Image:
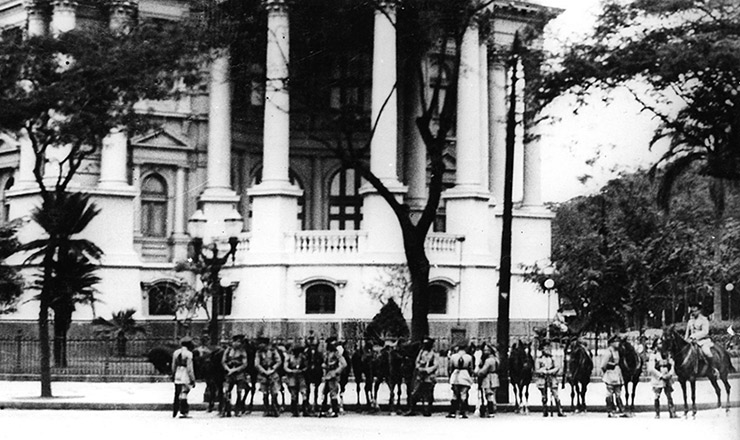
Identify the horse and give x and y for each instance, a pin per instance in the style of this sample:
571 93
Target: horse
577 370
521 366
691 363
630 362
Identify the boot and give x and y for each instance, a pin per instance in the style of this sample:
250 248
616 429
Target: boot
482 412
620 407
334 408
491 410
463 409
671 408
294 406
656 404
545 412
610 405
558 408
304 408
453 409
227 407
184 409
176 404
428 409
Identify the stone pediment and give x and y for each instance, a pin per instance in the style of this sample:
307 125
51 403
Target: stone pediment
161 138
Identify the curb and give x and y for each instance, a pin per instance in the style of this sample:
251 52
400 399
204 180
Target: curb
51 404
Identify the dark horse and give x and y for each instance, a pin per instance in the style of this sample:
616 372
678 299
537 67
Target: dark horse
690 363
630 362
577 370
521 365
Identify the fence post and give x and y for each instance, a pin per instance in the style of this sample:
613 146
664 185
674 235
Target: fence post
18 350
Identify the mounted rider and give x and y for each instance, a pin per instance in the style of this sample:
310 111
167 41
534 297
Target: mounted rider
697 331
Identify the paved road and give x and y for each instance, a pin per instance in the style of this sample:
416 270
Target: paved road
83 425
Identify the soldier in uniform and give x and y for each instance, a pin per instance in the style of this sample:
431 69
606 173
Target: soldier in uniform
546 372
425 376
487 373
294 367
267 362
461 368
184 377
660 368
334 364
613 378
697 331
235 363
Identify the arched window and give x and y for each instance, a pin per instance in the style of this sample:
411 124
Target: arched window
154 206
162 298
345 203
320 299
5 202
437 299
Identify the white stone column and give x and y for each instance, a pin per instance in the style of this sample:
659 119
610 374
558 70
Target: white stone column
114 159
64 16
219 201
136 180
180 194
468 202
484 129
219 126
384 232
468 112
275 200
416 159
532 196
384 110
37 25
497 126
277 99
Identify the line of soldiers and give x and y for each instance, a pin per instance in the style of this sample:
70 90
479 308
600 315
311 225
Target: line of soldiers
273 363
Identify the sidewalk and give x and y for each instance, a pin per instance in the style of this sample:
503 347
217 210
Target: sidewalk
158 396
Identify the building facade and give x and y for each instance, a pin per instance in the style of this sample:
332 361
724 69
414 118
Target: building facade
315 237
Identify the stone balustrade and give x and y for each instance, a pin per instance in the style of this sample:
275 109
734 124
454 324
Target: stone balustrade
443 243
328 242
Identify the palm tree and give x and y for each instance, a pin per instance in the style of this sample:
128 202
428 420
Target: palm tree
120 326
11 283
66 263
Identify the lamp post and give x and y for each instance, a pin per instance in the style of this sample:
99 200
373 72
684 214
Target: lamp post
213 262
548 285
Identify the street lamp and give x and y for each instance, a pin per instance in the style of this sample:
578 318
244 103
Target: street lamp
548 285
212 264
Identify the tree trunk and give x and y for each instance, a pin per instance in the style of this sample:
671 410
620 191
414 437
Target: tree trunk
61 326
419 273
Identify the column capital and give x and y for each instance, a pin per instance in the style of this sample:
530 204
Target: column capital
276 6
35 6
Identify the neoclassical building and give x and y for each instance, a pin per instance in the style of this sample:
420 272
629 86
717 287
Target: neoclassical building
313 237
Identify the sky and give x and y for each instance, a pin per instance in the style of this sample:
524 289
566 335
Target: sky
600 141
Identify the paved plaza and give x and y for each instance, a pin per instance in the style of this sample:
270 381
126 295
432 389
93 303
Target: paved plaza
83 425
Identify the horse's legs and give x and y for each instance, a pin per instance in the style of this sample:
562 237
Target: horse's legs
727 391
717 391
626 397
573 394
693 397
685 402
584 387
634 391
526 397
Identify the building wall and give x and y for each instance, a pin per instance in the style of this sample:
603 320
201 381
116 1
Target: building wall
270 287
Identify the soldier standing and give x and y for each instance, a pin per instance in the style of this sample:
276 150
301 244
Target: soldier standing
425 369
461 366
613 378
546 371
333 366
183 376
661 371
235 363
295 366
267 363
487 373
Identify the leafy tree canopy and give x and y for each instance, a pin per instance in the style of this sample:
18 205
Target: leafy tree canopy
681 61
11 283
387 323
